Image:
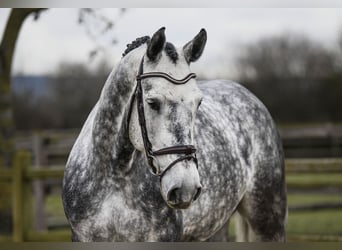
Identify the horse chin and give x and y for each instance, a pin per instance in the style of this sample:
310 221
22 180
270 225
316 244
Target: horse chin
184 205
177 204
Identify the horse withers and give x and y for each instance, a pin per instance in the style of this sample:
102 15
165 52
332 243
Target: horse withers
164 158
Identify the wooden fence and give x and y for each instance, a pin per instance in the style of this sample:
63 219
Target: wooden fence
51 150
21 176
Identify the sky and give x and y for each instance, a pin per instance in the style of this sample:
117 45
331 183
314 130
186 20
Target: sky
57 37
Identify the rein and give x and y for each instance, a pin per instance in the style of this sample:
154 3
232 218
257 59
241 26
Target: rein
188 151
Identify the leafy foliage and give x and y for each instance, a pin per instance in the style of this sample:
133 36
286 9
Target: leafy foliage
72 92
298 79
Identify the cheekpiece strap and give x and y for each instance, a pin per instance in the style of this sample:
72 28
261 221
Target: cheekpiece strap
189 151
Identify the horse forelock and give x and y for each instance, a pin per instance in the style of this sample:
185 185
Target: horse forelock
171 52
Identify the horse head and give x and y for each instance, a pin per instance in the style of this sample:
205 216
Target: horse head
162 116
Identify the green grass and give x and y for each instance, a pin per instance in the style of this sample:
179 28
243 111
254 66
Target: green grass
54 205
306 199
320 222
323 223
314 180
326 222
309 223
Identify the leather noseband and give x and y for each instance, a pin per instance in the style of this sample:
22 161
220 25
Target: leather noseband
188 151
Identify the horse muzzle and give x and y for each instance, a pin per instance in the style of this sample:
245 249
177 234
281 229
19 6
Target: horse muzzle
179 199
180 186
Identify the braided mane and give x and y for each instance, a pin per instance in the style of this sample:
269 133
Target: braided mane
169 47
136 43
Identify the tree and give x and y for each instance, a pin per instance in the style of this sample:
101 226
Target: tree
286 56
289 74
7 48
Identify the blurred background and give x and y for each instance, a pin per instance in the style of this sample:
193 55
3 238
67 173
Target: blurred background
54 62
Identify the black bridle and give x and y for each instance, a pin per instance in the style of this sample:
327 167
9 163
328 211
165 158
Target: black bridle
188 151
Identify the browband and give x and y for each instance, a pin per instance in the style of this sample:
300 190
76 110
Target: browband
167 77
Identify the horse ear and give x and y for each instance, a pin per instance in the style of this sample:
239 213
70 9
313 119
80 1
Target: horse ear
193 49
156 44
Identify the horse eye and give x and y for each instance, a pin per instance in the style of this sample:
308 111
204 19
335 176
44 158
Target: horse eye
153 103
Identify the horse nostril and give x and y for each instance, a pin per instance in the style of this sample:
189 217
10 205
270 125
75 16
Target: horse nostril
199 190
172 196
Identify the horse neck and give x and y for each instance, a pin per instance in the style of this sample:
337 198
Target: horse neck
112 146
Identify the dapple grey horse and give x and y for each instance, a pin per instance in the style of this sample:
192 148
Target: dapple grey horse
152 164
